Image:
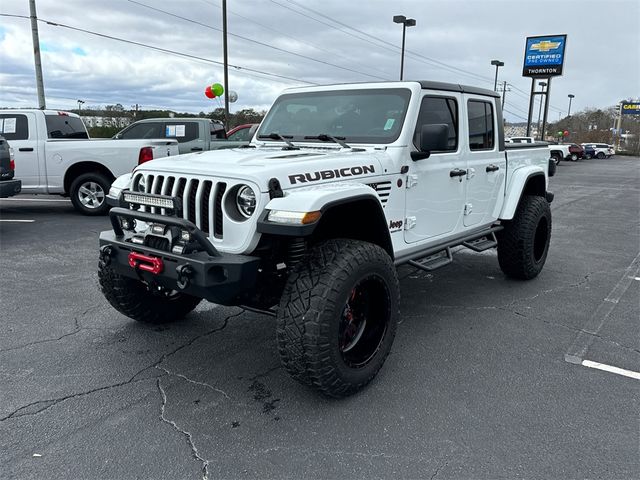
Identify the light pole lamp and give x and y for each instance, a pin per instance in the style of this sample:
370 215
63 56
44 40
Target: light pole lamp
406 22
571 97
498 64
80 102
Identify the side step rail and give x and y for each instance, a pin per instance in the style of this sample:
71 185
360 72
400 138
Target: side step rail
483 243
433 262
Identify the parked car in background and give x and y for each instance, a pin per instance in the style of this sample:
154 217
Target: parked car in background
598 150
8 185
520 140
54 155
243 133
192 134
566 151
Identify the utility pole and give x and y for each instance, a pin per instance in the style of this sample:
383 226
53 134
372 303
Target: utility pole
226 64
36 54
505 89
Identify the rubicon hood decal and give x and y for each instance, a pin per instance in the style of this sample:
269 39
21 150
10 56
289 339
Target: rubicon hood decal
329 174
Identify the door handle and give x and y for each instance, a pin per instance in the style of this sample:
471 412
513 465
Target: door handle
457 172
26 149
492 168
196 149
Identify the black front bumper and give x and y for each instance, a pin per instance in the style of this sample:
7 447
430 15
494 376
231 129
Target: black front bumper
221 278
9 188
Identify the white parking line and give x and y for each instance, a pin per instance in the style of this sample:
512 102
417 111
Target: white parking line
35 200
611 369
16 221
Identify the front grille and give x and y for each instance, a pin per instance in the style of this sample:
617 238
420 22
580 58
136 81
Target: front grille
383 189
201 200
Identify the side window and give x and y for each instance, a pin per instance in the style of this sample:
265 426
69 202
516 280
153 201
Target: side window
181 131
14 127
143 130
242 135
439 110
480 125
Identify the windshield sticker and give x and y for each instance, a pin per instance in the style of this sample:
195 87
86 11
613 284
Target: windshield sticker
389 124
170 131
9 125
330 174
179 130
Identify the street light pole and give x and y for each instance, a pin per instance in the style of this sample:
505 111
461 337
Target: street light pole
226 64
406 22
571 97
498 64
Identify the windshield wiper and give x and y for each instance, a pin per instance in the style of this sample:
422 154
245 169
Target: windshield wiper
277 136
323 137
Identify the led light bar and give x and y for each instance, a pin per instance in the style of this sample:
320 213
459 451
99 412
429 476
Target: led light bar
150 200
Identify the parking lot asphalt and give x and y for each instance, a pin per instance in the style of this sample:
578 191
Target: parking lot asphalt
485 379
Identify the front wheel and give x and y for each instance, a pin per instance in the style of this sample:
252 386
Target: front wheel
141 302
600 155
574 157
88 193
556 158
338 316
523 245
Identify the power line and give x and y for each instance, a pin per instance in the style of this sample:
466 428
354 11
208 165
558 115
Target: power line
257 42
241 69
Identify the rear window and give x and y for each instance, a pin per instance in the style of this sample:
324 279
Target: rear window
14 127
65 126
480 125
142 131
181 131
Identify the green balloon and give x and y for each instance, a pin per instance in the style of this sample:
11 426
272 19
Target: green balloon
559 134
217 89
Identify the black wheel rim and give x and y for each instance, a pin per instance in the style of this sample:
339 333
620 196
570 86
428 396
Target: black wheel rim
540 239
364 321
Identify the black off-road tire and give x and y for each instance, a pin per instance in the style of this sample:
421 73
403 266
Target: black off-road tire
523 245
134 299
315 313
600 155
556 158
100 183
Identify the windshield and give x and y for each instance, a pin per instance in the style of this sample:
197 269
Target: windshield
360 116
65 126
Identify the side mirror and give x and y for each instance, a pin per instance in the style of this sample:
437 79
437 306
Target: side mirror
434 136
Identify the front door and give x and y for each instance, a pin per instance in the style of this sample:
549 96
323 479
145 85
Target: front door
435 192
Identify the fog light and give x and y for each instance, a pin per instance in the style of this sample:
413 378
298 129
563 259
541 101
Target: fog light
128 223
137 239
178 248
185 236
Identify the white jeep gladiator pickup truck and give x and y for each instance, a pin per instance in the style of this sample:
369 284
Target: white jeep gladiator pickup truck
341 185
53 155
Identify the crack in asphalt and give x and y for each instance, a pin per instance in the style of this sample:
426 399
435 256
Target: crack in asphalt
188 435
265 373
435 474
195 382
77 329
55 401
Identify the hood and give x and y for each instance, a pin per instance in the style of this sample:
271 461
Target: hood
304 167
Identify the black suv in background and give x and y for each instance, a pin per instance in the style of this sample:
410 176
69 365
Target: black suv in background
8 186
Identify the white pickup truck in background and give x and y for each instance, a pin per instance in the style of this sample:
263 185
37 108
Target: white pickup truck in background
54 155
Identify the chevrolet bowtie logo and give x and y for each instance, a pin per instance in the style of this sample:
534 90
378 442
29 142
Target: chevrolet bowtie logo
545 46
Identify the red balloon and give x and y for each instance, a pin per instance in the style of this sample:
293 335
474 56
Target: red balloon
208 93
566 133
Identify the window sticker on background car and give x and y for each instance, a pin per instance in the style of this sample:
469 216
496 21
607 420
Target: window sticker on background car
9 125
170 131
180 129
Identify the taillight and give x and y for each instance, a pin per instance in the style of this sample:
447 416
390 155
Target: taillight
146 154
12 162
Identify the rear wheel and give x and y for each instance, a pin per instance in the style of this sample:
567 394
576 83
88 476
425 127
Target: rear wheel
556 158
338 316
600 155
524 243
574 157
88 193
141 302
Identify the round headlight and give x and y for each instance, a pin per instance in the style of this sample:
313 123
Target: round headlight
246 201
141 184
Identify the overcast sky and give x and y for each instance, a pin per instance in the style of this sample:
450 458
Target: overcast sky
333 41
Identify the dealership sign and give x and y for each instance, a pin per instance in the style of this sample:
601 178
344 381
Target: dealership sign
544 56
629 108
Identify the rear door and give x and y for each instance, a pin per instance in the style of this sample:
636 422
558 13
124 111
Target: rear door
19 129
434 198
486 165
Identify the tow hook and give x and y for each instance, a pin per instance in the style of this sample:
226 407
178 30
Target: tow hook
146 263
184 276
106 252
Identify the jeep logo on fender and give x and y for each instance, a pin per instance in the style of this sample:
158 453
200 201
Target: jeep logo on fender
395 225
329 174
